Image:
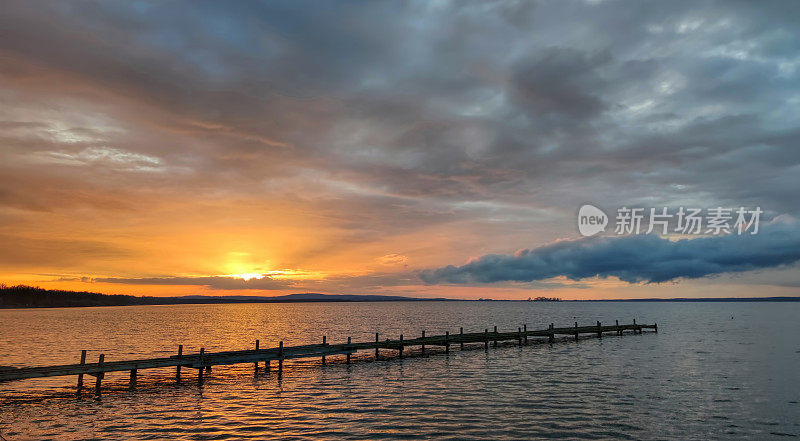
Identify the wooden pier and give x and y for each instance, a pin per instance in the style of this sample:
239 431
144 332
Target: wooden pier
203 361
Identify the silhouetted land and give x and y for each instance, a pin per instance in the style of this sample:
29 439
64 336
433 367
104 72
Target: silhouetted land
22 296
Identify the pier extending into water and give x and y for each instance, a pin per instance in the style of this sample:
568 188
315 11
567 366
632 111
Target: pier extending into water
203 361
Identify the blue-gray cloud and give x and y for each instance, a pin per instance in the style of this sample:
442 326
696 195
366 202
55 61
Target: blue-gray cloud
633 259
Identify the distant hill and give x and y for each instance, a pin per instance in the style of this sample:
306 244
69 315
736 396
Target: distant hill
311 297
22 296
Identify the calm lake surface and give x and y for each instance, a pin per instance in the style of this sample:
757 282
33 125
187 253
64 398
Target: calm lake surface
714 371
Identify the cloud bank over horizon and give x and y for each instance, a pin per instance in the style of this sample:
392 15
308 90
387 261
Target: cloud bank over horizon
645 258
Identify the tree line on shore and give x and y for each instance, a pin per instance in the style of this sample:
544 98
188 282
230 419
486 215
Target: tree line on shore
23 296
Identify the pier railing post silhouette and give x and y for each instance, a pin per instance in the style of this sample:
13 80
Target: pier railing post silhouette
255 363
99 375
178 366
401 346
80 376
280 358
324 342
200 365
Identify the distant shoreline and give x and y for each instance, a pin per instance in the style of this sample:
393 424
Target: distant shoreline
26 297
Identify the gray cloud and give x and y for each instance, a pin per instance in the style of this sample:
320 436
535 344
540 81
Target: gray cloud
560 83
374 282
633 259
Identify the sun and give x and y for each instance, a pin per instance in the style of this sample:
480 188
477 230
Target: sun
247 276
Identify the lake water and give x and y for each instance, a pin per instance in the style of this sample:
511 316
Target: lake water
714 371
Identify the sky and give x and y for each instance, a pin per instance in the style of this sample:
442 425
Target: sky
421 148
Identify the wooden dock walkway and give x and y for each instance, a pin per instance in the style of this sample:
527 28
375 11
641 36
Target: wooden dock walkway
203 361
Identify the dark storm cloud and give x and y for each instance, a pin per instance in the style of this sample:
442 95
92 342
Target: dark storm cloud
633 259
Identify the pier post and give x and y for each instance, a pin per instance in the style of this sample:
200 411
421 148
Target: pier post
200 368
400 354
256 362
655 327
423 343
376 346
461 332
99 377
619 331
280 358
486 339
552 336
576 331
525 330
178 367
495 336
80 376
446 342
634 327
519 336
349 339
324 342
132 380
599 330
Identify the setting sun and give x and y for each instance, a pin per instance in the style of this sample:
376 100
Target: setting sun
247 276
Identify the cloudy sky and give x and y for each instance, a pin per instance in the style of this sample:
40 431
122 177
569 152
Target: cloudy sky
417 148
